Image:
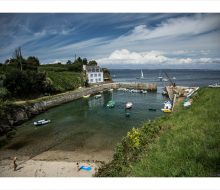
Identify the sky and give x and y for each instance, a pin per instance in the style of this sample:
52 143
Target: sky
126 40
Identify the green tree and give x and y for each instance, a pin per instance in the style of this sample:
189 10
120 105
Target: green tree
68 62
85 61
31 60
93 63
26 83
79 60
18 57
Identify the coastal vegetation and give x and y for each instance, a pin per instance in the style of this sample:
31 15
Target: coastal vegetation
24 79
185 143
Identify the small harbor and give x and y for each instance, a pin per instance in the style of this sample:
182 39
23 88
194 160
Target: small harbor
84 129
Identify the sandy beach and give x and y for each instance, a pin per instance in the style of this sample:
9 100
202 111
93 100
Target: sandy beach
33 168
53 164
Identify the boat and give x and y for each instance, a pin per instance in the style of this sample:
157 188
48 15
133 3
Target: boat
127 114
98 96
216 85
160 78
143 91
128 105
110 90
111 104
164 93
86 96
187 104
142 75
41 122
164 79
152 109
174 78
167 107
166 110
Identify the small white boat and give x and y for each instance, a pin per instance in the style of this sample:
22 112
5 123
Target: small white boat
110 90
98 96
214 85
128 105
41 122
164 80
86 96
174 78
187 104
164 92
143 91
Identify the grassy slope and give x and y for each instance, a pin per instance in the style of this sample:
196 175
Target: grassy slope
185 143
63 81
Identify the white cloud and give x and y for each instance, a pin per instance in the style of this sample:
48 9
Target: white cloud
125 56
190 25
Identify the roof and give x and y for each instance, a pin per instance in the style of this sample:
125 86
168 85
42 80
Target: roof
93 68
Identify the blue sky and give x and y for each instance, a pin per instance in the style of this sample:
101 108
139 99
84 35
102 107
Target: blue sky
115 40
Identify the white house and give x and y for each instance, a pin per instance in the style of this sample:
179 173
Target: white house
94 74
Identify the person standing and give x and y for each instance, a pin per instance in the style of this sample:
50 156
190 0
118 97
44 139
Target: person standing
15 164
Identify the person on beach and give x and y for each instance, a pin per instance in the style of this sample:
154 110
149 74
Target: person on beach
15 164
78 166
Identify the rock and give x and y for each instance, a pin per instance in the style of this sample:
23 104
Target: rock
17 117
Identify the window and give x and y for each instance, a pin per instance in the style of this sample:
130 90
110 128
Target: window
91 75
95 75
99 74
91 80
99 79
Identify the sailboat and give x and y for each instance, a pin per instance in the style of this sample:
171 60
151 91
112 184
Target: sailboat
142 75
160 77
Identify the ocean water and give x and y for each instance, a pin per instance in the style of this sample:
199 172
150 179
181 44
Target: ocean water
199 78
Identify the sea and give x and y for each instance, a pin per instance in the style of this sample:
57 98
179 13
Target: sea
183 77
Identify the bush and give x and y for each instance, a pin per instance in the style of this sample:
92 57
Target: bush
26 83
4 93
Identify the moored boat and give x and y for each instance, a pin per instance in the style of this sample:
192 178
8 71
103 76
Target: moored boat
152 109
166 110
98 96
216 85
41 122
128 105
127 114
167 107
111 104
86 96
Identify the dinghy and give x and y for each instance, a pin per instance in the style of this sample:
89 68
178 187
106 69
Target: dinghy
128 105
41 122
86 96
98 96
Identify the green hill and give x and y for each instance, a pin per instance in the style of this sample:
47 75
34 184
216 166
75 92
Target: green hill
184 143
